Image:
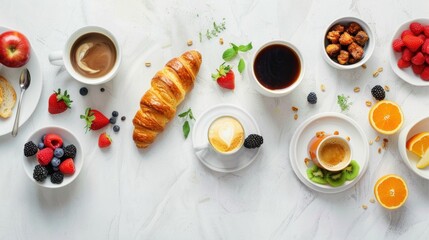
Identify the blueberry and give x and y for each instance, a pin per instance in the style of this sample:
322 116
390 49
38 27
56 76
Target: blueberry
40 145
55 162
123 118
116 128
112 120
58 152
115 114
83 91
102 89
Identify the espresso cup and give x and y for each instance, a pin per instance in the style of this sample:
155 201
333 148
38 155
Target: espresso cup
225 135
333 153
277 68
91 55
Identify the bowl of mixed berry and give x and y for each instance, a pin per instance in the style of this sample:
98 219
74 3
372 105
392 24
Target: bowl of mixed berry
53 157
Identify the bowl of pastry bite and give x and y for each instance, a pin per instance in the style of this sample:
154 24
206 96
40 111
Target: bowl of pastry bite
348 43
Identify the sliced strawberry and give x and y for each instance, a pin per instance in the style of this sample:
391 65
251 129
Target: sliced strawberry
412 42
94 119
104 140
53 141
58 102
397 45
425 46
426 31
225 77
67 166
418 69
407 55
405 33
45 156
416 28
425 74
418 59
403 64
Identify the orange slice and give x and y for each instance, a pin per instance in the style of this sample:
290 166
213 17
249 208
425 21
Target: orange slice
391 191
418 143
386 117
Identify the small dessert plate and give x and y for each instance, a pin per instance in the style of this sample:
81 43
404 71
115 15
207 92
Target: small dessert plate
216 161
410 159
328 122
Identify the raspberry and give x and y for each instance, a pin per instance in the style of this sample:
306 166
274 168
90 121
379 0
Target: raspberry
253 141
416 28
425 74
397 45
30 149
45 156
403 64
405 33
418 59
407 55
53 141
412 42
417 69
426 31
425 46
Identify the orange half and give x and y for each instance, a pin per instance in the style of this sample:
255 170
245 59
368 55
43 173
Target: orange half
386 117
418 143
391 191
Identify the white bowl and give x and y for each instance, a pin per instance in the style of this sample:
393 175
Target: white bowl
406 74
368 49
410 159
68 138
278 92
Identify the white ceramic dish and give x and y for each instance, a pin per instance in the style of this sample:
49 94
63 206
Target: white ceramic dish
328 122
368 49
406 74
68 138
32 95
213 160
410 159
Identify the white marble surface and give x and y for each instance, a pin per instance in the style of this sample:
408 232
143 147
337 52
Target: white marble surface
165 192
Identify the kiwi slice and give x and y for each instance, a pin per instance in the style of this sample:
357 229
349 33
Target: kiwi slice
317 175
352 170
335 179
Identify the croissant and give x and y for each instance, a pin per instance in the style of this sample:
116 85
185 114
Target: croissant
168 89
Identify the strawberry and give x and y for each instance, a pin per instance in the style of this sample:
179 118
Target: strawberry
67 166
427 59
405 33
94 119
416 28
104 140
425 74
403 64
58 102
407 55
397 45
224 77
425 46
426 31
53 141
412 42
422 37
418 69
45 156
418 59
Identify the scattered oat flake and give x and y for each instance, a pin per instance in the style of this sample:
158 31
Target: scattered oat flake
372 200
356 89
221 41
370 142
322 87
147 64
385 140
387 88
348 138
307 161
189 42
364 206
364 66
336 133
379 150
378 71
368 103
377 138
384 145
295 109
295 116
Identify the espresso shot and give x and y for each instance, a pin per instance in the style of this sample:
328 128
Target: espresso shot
93 55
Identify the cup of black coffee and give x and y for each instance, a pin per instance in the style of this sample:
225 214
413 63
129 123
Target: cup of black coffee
277 68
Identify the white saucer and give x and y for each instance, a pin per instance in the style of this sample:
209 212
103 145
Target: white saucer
215 161
328 122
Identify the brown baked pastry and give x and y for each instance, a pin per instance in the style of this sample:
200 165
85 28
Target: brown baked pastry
356 51
354 28
333 49
361 38
168 89
343 58
346 39
338 27
333 36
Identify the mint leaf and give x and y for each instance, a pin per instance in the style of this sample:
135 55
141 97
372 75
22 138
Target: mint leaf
184 114
241 65
186 129
245 48
229 54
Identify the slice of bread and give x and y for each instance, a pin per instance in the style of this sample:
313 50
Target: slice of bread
9 98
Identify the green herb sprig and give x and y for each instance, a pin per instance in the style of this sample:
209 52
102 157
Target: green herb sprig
212 33
230 53
344 103
188 116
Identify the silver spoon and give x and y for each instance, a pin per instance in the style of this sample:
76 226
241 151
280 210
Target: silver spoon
24 83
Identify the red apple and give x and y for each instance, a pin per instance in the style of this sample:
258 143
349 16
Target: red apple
14 49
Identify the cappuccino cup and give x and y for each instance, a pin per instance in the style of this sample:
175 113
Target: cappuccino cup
225 135
91 55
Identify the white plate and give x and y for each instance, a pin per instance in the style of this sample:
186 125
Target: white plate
31 96
215 161
68 138
406 74
410 159
328 122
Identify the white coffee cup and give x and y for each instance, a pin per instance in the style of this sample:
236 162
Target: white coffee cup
63 58
276 92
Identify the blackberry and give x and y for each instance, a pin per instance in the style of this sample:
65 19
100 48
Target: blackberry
83 91
115 114
116 128
253 141
312 98
378 92
69 152
57 177
40 173
50 169
30 149
112 120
